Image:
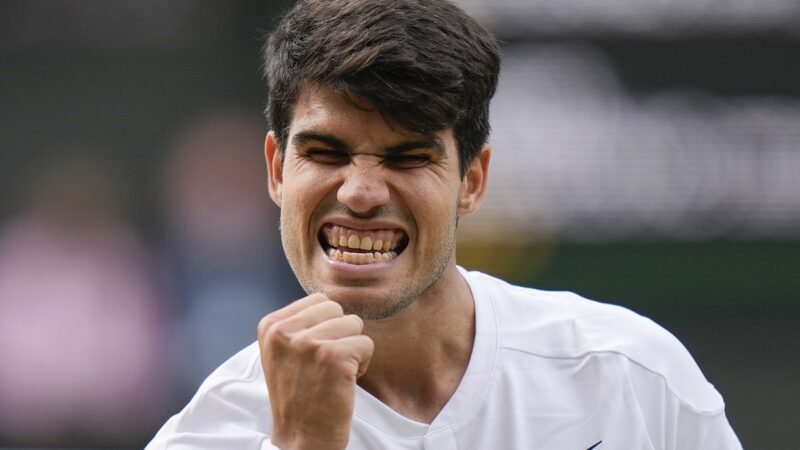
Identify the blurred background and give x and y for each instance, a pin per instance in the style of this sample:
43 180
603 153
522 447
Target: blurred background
645 154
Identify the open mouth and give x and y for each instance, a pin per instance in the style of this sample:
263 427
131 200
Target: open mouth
361 247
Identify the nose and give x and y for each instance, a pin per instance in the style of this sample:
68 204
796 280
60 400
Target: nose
363 189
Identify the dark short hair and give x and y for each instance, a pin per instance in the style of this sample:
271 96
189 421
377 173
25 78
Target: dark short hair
425 65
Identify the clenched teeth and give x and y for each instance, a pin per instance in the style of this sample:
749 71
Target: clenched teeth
362 246
379 240
360 258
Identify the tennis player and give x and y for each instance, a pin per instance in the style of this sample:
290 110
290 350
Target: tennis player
379 117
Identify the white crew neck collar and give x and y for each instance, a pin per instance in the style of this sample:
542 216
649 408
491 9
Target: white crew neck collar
470 391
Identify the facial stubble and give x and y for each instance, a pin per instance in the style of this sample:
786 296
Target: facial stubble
379 309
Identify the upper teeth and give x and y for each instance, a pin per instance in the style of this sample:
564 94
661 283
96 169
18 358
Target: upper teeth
372 246
383 240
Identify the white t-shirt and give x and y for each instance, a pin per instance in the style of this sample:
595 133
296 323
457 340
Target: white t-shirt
549 371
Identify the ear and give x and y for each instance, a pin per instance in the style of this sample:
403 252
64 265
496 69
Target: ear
273 155
473 185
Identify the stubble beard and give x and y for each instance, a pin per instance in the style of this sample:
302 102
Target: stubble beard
407 295
399 300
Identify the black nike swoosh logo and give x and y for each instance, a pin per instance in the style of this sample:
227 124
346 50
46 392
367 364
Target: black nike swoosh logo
595 445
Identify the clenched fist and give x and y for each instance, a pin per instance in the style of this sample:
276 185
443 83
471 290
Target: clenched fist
312 354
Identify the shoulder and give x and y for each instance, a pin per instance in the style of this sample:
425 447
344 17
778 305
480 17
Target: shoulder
565 325
242 368
231 403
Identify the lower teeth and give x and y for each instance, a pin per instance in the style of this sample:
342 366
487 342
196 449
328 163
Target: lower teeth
360 258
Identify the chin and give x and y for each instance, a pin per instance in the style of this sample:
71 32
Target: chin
370 303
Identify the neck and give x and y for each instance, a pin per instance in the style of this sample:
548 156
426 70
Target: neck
422 352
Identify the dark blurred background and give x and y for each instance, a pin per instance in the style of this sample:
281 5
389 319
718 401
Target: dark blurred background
645 154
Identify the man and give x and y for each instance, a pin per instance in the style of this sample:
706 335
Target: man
379 119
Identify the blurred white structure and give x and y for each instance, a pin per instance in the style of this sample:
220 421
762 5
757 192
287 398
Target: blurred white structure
577 156
667 18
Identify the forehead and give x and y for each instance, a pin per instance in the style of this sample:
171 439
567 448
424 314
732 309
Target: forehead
352 120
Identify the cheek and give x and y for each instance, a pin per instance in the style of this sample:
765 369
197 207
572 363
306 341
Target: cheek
300 192
433 205
438 198
302 199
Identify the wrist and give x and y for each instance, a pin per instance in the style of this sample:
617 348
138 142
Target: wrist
305 442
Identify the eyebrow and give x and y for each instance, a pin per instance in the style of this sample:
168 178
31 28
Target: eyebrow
304 137
429 141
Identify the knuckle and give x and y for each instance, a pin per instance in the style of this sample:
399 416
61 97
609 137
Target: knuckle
336 307
302 343
318 297
277 334
326 355
265 324
369 344
365 347
357 321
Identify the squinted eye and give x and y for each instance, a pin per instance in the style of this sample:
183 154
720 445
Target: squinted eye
323 156
407 161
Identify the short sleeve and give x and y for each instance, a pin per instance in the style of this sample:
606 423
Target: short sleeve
230 410
675 422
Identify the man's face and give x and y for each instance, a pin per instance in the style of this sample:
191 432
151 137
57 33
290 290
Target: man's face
368 212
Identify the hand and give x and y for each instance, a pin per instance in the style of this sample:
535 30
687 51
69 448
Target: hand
312 354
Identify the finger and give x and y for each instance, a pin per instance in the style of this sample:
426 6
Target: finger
336 328
289 310
360 347
311 316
